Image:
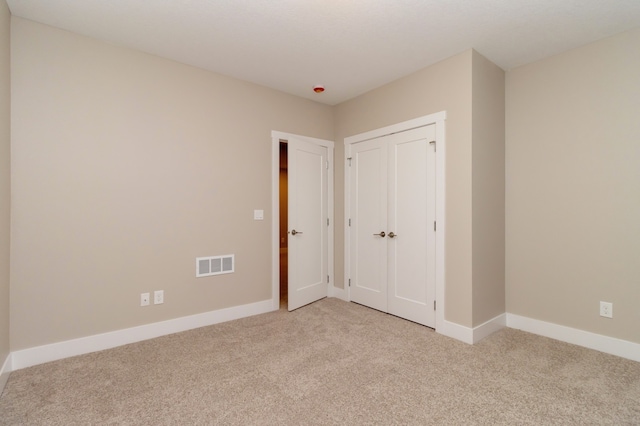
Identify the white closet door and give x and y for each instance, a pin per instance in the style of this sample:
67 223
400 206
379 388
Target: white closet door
308 230
411 218
368 228
392 213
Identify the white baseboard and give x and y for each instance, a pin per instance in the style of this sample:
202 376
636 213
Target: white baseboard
339 293
456 331
41 354
610 345
472 335
55 351
598 342
489 327
4 372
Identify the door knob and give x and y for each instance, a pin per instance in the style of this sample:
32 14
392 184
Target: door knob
294 232
391 235
382 234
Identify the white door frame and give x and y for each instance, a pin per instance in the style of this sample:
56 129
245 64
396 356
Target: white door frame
439 120
276 138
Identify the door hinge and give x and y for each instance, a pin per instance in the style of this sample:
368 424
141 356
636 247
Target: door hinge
434 145
434 305
349 282
434 225
327 165
327 221
349 158
327 279
349 221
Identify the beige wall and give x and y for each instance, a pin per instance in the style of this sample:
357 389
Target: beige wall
445 86
488 190
5 179
126 167
573 187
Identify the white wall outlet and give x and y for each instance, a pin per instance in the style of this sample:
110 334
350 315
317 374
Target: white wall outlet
144 299
606 309
158 297
258 215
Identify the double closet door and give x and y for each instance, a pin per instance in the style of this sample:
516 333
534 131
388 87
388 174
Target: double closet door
391 228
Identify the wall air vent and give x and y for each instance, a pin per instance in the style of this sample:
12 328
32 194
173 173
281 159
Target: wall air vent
214 265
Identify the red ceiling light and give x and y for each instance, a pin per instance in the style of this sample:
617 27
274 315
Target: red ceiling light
318 88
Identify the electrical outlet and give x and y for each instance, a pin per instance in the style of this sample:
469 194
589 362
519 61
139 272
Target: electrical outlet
158 297
606 309
144 299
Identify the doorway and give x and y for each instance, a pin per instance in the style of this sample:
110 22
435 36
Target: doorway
284 225
302 222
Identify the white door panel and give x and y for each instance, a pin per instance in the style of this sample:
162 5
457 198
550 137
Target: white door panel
411 215
308 233
369 217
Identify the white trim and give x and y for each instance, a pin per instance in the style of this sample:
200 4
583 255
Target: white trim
456 331
398 127
55 351
339 293
598 342
276 137
489 327
347 215
275 221
438 119
440 216
475 334
331 215
4 372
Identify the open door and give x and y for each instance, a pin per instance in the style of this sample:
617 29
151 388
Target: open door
308 222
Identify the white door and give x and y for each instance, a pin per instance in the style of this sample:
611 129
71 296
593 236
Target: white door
308 229
368 223
411 237
392 213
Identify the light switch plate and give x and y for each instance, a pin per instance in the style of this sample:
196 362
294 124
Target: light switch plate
258 215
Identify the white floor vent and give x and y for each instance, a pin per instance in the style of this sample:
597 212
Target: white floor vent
214 265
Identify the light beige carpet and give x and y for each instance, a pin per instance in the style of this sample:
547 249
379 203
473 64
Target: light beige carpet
330 363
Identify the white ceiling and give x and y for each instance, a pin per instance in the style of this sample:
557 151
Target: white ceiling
349 46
